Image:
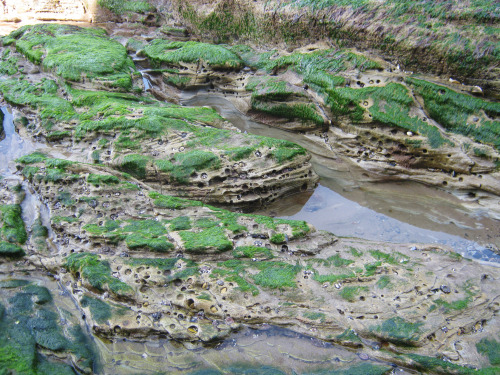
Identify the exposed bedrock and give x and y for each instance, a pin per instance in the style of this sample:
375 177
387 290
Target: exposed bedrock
141 264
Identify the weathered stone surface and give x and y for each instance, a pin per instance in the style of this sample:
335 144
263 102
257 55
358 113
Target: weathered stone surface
143 264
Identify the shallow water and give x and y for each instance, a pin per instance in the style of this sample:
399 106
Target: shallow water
12 146
348 204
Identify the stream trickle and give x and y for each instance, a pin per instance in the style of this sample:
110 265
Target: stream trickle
346 205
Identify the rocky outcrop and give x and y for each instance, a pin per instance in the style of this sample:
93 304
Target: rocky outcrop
182 151
48 10
143 264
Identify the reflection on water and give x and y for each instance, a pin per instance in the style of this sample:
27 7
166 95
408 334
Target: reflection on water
348 204
12 146
269 350
330 211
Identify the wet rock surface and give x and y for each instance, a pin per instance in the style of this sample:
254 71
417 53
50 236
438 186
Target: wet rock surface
143 263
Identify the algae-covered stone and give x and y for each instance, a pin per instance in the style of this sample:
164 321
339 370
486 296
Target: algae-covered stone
31 332
75 53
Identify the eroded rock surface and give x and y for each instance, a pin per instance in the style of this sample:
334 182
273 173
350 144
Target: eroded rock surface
141 264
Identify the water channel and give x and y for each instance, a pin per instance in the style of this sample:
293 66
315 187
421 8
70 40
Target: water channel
346 204
343 203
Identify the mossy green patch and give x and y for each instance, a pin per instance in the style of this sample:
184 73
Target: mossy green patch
181 223
276 275
393 258
126 6
314 316
252 252
445 367
13 283
99 179
97 273
207 239
74 53
8 249
100 310
358 369
399 331
173 53
350 293
348 336
453 110
383 282
491 349
13 229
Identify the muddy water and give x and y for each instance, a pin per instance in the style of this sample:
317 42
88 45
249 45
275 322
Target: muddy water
348 204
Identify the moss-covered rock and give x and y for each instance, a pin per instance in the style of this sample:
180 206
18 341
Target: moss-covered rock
75 53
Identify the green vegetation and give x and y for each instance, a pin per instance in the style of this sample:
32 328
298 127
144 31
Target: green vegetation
383 282
208 239
100 310
491 349
276 275
138 234
281 99
350 293
99 179
252 252
73 53
10 250
349 336
359 369
171 53
314 316
394 258
399 331
126 6
180 223
186 163
29 326
453 111
12 231
97 273
444 367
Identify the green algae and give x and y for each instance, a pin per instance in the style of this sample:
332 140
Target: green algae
393 258
252 252
491 349
207 239
27 330
13 229
173 53
350 293
349 336
383 282
275 97
13 283
358 369
126 6
440 366
180 223
276 275
101 311
452 110
97 273
314 316
399 331
98 179
74 53
8 249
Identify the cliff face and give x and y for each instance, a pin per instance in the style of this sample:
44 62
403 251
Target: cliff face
45 10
